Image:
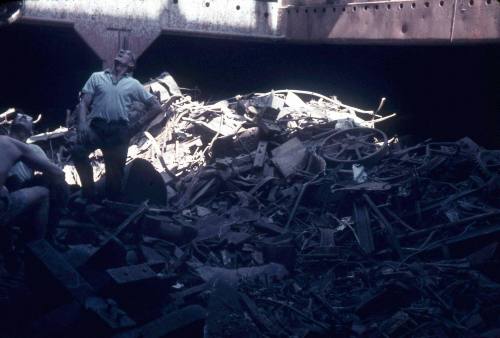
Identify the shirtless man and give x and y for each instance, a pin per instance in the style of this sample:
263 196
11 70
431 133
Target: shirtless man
20 175
34 200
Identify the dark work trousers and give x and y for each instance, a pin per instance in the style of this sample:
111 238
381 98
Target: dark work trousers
113 139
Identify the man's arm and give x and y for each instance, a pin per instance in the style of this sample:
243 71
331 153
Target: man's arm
84 106
153 106
83 110
150 101
38 150
58 186
37 161
13 151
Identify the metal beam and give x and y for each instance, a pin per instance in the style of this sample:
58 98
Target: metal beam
396 22
107 26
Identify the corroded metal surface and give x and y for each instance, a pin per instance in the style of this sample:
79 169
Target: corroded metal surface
104 26
396 22
476 19
107 26
379 22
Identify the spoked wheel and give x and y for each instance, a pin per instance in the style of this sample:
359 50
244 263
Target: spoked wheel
354 145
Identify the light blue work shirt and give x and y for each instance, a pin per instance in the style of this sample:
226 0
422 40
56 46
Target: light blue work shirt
111 101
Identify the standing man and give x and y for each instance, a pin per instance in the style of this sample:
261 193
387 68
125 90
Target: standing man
103 121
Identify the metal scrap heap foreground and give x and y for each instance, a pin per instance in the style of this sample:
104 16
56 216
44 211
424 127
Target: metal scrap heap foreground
282 214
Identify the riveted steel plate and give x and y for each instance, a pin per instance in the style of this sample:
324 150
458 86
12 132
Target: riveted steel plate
476 20
374 22
107 26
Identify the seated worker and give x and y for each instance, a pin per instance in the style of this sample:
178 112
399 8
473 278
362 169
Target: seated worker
34 200
21 176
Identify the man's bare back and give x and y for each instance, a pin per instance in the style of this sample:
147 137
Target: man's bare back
12 151
34 200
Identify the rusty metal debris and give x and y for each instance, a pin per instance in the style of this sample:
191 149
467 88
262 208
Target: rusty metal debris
257 222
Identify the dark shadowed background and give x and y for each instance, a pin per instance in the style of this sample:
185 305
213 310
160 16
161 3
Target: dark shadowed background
443 92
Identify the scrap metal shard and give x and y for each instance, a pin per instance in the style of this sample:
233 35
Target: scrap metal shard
80 290
422 236
290 157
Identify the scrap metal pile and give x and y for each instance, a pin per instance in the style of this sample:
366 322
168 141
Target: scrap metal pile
284 214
